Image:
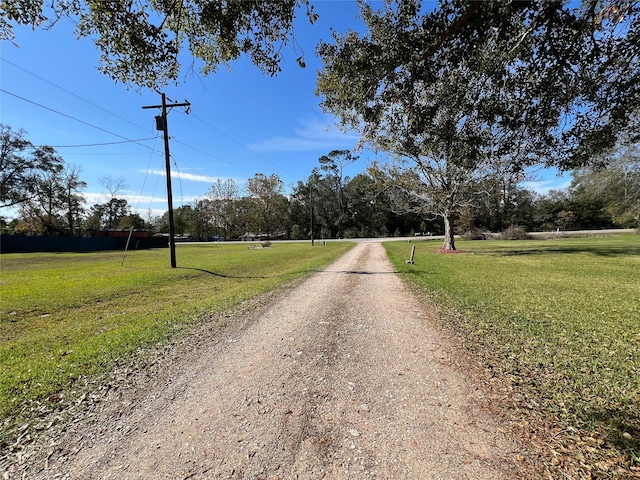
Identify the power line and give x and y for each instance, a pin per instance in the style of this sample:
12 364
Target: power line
73 118
278 167
146 175
102 144
236 165
73 94
107 154
211 155
125 139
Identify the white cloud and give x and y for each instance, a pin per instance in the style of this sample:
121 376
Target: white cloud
544 186
315 134
185 176
149 213
92 198
542 180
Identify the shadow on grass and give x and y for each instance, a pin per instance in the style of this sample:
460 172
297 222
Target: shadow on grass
222 275
357 272
624 429
347 272
602 252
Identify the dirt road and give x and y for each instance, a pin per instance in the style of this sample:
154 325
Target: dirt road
344 377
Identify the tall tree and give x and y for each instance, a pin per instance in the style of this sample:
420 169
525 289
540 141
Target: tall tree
501 203
184 219
270 204
203 227
320 195
114 208
313 206
108 215
56 206
615 189
458 89
222 195
44 211
132 221
72 198
142 40
22 165
433 118
369 211
334 164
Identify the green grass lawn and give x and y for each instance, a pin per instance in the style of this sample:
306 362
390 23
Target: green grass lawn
560 320
66 316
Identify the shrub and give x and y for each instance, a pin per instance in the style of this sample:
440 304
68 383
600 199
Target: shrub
350 233
478 234
515 233
297 233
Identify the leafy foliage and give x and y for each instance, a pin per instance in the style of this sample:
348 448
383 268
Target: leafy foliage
266 193
334 164
221 196
56 206
108 215
22 166
616 187
142 40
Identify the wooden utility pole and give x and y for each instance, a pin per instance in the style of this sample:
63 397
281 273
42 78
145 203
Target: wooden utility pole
162 124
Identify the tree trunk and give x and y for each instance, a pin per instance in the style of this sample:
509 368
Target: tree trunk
449 243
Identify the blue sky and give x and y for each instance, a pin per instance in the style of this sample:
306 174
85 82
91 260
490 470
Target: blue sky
242 122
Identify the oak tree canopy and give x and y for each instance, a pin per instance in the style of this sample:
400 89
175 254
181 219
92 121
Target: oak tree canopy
145 42
466 87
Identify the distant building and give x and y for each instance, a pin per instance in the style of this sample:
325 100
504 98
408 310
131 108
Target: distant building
122 233
253 237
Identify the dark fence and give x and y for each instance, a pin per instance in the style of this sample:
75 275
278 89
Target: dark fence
28 244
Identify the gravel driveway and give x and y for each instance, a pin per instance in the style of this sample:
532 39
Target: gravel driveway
343 377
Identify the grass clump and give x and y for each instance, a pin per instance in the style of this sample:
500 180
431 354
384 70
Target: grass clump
67 317
558 321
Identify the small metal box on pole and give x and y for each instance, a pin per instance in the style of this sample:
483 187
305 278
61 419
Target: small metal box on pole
160 123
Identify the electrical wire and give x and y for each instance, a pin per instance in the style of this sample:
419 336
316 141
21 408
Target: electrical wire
73 118
102 144
278 167
126 140
211 155
73 94
106 154
179 179
146 175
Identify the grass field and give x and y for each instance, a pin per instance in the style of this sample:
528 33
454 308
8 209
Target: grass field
67 316
559 321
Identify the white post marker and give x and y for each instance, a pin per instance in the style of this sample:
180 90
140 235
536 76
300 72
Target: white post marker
413 252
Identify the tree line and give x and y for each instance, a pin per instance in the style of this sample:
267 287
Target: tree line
330 205
49 198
